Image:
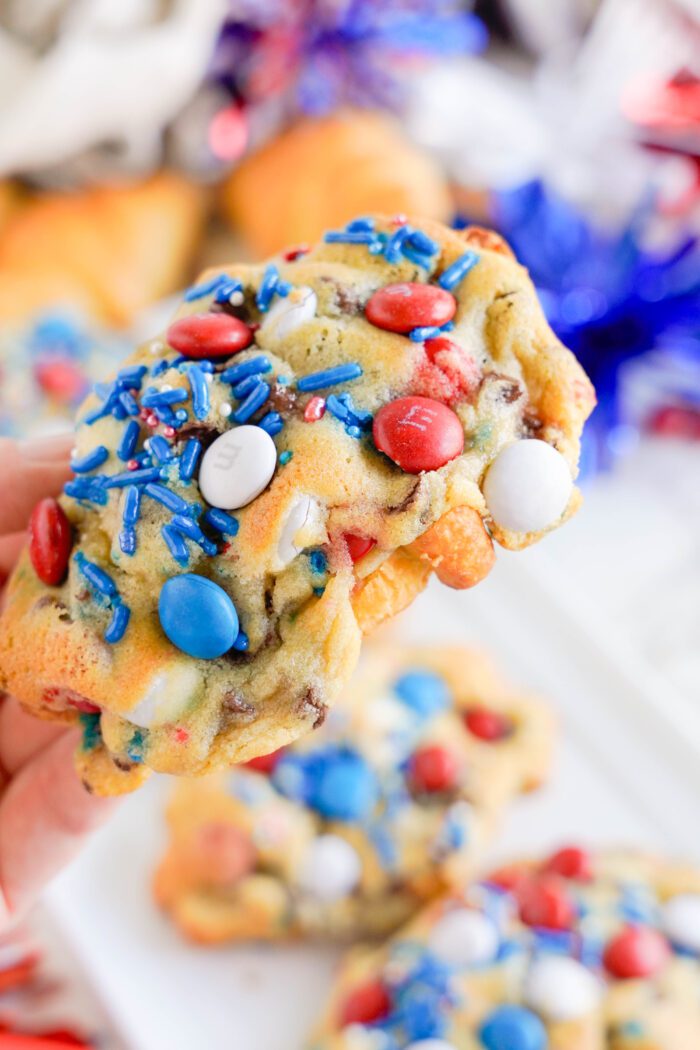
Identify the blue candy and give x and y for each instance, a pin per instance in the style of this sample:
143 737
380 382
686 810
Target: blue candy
345 787
197 616
513 1028
423 691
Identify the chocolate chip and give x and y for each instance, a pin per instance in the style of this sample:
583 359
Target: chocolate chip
282 399
310 705
410 498
532 424
509 389
234 709
123 764
51 600
206 435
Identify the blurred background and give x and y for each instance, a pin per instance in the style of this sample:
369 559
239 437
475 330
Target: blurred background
143 139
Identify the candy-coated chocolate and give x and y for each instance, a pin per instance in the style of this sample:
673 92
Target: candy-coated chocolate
286 315
197 616
433 768
358 546
49 541
637 951
418 433
487 724
365 1004
513 1027
330 869
681 921
528 486
544 902
237 467
571 862
561 989
463 937
205 336
266 763
402 307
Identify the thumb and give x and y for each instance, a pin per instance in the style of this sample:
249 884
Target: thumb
30 470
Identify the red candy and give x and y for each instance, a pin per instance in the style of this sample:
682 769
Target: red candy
358 546
448 372
487 724
433 768
401 307
571 862
418 433
636 951
292 254
61 379
50 541
265 763
204 336
545 902
367 1003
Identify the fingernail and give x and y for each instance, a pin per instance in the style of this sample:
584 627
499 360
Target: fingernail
44 449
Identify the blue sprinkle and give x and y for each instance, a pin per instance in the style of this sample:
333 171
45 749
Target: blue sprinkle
241 643
227 289
419 335
103 410
378 244
118 410
423 244
222 521
337 409
161 367
103 390
272 423
132 505
267 289
318 591
86 489
363 223
353 431
181 415
91 461
245 386
198 291
449 327
190 529
285 457
458 270
188 459
283 288
318 561
134 750
168 498
416 258
424 692
255 400
349 237
200 391
329 377
131 377
165 414
254 366
160 448
176 544
127 540
163 397
133 477
283 380
128 403
394 247
96 576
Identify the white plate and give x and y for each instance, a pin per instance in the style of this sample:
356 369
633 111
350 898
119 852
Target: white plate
626 773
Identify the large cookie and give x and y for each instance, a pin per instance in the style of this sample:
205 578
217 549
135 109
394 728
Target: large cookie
280 471
576 952
346 832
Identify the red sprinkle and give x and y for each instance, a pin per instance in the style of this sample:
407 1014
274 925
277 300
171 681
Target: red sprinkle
181 735
292 254
418 433
358 546
152 420
545 902
266 763
637 951
315 409
399 220
132 464
202 336
448 372
571 862
50 541
487 724
168 432
402 307
367 1003
433 768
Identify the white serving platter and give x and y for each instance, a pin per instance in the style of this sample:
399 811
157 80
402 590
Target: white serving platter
626 773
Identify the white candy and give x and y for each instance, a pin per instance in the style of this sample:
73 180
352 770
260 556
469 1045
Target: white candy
561 989
303 517
330 869
464 938
681 921
167 697
237 467
528 486
431 1044
291 312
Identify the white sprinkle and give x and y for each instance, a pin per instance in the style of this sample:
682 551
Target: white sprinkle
236 298
225 408
157 346
166 386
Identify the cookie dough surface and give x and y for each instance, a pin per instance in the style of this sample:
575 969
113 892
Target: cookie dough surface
347 831
339 536
573 952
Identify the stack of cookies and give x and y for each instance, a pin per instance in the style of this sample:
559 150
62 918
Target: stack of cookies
255 490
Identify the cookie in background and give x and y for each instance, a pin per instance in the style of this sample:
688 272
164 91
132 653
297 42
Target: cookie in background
323 172
573 951
346 832
107 252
